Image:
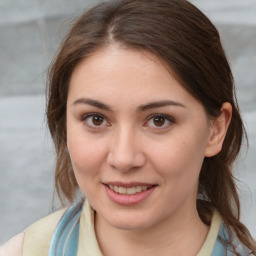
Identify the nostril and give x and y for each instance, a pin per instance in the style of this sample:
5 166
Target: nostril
125 161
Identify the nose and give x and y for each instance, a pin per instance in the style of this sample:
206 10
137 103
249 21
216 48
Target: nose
126 150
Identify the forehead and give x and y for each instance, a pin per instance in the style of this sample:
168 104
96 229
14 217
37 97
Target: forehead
124 74
114 59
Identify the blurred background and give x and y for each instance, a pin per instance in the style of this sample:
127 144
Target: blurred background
30 32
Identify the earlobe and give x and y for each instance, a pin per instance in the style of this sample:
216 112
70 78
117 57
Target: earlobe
218 130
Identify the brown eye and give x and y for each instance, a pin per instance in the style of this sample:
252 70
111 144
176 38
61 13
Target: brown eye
97 120
159 121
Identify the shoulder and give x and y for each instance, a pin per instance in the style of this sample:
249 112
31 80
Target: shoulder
13 247
38 236
35 240
228 243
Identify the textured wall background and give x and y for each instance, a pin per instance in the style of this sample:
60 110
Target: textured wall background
30 31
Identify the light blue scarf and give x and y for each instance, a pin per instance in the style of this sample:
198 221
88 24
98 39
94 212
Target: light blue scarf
65 238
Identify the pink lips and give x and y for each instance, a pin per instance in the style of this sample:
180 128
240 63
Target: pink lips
124 199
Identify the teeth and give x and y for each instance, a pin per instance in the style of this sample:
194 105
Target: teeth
128 191
131 191
138 189
122 190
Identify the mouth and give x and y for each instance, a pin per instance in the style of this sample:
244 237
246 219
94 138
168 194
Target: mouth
129 190
129 193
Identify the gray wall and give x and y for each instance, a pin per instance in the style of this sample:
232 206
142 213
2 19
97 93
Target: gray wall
30 31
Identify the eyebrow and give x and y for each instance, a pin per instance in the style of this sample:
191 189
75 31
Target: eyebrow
159 104
93 103
151 105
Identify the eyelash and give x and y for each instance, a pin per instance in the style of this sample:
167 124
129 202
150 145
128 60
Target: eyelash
166 118
93 115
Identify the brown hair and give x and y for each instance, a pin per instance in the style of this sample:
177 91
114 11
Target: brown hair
186 40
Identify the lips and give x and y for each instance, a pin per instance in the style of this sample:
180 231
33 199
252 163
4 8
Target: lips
129 190
127 194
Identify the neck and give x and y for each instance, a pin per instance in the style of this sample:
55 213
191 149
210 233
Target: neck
167 238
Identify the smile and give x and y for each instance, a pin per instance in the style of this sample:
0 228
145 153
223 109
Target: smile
129 191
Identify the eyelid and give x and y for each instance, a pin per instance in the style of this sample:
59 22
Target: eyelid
168 117
84 116
92 114
165 116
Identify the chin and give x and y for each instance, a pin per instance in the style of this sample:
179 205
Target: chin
130 222
129 226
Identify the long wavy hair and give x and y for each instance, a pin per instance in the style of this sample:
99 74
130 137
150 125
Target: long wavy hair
185 39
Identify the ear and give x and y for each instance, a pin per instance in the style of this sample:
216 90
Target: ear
218 130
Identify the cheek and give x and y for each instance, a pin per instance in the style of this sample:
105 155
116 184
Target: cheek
86 157
179 158
86 153
178 165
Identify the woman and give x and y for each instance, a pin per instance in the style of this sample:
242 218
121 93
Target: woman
144 118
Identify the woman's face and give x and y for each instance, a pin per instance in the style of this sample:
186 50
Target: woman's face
136 139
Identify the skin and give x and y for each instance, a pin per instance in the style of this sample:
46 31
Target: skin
129 142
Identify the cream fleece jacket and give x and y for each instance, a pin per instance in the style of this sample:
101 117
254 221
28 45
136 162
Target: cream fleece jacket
35 240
